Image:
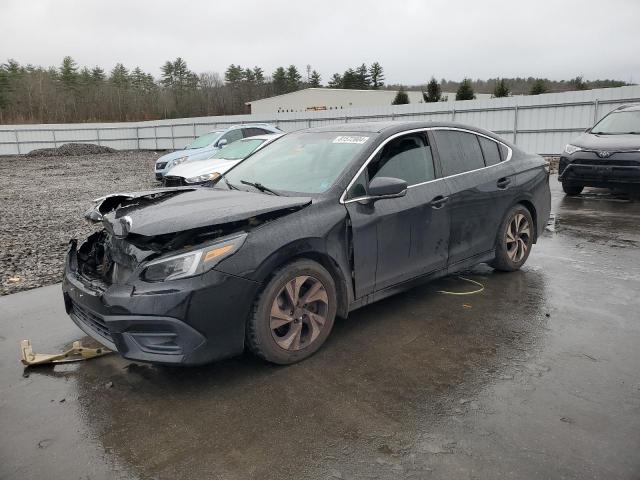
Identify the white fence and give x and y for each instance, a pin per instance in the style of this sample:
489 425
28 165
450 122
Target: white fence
541 124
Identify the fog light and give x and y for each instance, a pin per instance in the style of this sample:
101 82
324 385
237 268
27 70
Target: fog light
157 342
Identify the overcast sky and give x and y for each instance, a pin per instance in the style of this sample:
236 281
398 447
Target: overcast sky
413 39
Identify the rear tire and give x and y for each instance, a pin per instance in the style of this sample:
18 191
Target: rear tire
572 189
515 239
294 314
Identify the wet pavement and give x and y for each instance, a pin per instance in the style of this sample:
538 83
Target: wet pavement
538 376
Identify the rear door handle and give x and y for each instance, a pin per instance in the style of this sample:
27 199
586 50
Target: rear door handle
503 183
439 201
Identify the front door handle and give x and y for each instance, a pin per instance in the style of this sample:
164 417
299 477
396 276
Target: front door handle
503 183
439 201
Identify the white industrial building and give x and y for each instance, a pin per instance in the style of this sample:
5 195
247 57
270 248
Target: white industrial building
316 99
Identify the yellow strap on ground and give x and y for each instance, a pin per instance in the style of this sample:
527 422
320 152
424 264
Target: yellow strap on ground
465 293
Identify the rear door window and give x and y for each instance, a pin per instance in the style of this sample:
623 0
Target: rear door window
490 151
252 131
504 152
459 151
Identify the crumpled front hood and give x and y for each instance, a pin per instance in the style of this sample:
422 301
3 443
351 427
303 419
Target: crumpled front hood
591 141
193 169
172 210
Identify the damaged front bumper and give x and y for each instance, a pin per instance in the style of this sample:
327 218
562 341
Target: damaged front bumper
190 321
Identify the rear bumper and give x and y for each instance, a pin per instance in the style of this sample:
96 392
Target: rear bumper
184 322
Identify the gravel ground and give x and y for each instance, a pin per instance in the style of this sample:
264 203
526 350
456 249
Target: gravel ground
42 202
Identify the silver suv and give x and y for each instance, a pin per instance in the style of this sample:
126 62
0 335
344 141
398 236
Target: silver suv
203 146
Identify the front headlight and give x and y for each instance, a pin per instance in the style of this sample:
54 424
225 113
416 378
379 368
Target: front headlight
192 263
207 177
571 149
178 161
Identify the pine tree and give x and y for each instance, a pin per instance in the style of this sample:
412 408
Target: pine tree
119 76
279 79
13 68
97 75
336 81
350 79
249 77
68 72
84 77
434 91
363 79
293 79
167 74
234 74
149 83
465 90
539 86
183 77
315 80
138 79
258 75
376 75
401 97
501 89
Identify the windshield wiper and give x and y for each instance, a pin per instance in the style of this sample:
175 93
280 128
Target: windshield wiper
259 186
229 184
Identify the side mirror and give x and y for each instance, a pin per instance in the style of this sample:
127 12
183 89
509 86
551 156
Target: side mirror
222 142
387 187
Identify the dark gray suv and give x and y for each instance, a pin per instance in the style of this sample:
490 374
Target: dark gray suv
606 155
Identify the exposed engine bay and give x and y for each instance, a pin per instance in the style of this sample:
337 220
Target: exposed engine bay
131 221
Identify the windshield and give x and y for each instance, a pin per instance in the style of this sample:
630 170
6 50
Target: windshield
304 162
204 140
619 123
238 150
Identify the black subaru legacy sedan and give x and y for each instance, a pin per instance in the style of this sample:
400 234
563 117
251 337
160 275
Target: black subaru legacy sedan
313 226
606 155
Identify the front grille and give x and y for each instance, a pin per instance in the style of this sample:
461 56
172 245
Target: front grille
91 320
161 165
169 181
606 163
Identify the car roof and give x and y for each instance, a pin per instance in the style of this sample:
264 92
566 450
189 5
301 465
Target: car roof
245 125
388 127
262 137
628 108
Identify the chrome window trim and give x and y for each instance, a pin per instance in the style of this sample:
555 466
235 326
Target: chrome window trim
418 130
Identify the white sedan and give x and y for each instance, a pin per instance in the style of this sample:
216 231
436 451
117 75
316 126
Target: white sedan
200 171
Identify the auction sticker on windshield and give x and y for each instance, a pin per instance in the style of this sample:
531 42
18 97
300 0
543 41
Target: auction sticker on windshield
350 139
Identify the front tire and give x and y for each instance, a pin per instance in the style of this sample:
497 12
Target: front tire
294 314
572 189
515 239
